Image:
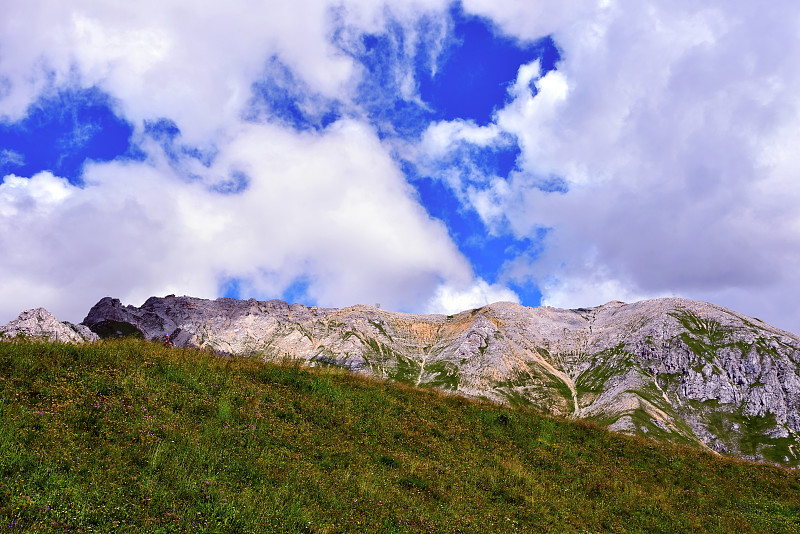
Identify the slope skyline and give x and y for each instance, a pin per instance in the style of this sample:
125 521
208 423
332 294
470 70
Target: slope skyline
429 156
672 369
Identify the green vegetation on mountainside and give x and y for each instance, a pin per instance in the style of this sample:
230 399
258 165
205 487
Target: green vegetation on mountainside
750 435
129 436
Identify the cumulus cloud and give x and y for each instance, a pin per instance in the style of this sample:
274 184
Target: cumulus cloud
670 125
345 220
450 299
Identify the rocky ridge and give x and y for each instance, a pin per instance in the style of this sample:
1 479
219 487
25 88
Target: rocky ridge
673 369
40 323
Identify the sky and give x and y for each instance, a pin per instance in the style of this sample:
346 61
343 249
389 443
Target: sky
425 155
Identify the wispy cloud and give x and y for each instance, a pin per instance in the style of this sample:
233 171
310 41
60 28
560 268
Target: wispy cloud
10 159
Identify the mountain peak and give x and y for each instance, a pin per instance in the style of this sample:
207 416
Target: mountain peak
40 323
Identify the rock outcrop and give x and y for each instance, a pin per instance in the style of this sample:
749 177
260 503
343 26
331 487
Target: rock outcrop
673 369
41 324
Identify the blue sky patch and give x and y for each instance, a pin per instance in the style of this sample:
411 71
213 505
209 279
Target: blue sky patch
239 288
487 253
298 292
165 131
528 293
466 78
231 288
476 69
380 94
167 134
235 183
552 184
61 132
280 97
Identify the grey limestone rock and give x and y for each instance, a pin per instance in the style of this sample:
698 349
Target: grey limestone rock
41 324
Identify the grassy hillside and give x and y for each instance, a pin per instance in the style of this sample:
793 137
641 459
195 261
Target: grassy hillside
128 436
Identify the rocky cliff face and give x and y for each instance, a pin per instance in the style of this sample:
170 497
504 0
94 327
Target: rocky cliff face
672 369
40 323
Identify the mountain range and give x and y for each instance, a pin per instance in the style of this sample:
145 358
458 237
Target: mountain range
673 369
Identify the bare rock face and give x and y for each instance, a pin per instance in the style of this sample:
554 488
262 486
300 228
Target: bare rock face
673 369
40 323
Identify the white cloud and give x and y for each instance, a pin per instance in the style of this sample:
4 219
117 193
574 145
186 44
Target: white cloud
533 20
450 299
438 139
346 215
344 219
671 125
32 197
445 150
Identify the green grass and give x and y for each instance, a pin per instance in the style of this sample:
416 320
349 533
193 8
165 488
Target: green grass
442 375
752 434
130 436
114 329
